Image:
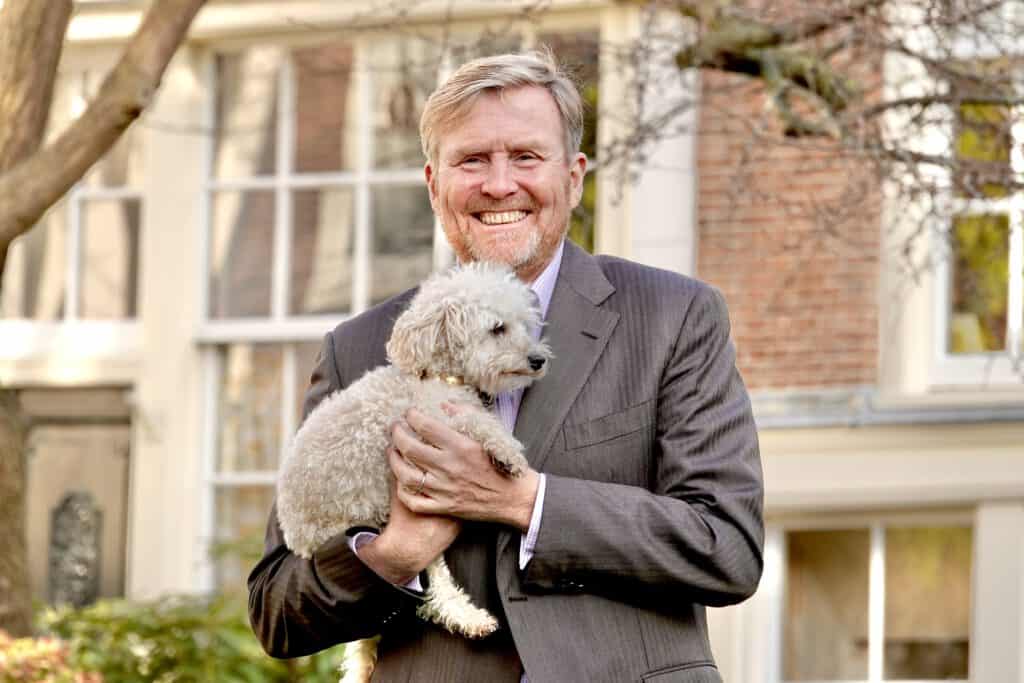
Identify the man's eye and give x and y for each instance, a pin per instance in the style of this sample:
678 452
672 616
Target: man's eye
472 161
498 329
526 156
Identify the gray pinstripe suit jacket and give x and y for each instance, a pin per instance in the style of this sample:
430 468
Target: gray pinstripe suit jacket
653 506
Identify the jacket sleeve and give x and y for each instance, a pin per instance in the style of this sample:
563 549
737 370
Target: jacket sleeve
699 531
299 606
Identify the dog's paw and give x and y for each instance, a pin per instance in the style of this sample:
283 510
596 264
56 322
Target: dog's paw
511 465
468 621
481 626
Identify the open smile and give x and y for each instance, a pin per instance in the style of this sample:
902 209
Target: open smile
501 217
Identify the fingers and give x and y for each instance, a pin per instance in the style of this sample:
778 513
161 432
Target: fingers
408 476
435 431
412 448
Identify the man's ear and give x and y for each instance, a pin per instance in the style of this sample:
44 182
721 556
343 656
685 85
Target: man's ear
428 172
577 171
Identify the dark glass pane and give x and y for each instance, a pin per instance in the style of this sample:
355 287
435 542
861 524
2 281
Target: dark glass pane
240 519
34 277
403 240
249 418
245 129
578 53
109 260
979 284
927 603
404 74
983 147
321 260
325 109
305 360
826 620
241 254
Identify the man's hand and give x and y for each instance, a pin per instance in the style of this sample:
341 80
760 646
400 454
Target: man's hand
409 542
461 481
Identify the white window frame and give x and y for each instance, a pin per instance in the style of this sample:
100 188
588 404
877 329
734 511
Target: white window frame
212 334
997 368
773 583
72 337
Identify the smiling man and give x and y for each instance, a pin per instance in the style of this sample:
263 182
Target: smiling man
643 503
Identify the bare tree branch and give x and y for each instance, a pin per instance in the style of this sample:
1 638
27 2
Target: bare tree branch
33 185
31 38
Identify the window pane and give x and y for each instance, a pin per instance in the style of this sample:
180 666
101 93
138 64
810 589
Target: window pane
495 39
241 254
34 277
325 108
579 53
322 240
250 408
826 622
927 602
983 147
980 283
404 74
403 239
109 265
240 520
246 115
305 359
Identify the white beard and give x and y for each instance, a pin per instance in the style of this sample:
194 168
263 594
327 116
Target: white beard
505 252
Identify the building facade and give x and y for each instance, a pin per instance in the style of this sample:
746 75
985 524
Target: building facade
162 320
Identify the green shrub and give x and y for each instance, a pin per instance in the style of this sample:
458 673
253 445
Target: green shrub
176 640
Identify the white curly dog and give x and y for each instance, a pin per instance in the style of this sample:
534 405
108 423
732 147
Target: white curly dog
466 336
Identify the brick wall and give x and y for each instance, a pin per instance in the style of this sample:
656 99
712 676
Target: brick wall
790 234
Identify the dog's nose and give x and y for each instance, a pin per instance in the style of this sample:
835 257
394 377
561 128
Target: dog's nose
536 362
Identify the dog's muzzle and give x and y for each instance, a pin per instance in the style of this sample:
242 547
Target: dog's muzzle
536 362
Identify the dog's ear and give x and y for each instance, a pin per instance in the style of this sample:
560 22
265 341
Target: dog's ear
416 337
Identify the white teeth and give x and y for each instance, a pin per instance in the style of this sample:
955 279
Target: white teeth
499 217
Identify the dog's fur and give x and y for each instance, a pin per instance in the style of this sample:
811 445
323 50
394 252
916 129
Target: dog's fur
473 324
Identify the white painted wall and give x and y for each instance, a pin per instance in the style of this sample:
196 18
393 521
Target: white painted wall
166 455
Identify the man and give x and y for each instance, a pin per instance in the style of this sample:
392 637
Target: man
644 498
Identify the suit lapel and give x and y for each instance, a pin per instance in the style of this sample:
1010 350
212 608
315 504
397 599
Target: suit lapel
577 330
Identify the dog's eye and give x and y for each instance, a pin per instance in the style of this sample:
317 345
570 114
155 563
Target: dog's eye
498 329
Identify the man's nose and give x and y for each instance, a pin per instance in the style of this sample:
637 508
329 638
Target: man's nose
499 182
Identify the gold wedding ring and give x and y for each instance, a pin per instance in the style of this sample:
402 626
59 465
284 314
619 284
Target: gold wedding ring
419 489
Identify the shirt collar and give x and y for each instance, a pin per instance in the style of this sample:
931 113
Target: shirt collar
544 285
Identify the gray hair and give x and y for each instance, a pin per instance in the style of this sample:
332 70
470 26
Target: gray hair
459 93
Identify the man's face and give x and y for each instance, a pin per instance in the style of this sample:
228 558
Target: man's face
503 185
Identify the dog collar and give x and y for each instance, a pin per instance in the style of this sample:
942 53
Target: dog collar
456 381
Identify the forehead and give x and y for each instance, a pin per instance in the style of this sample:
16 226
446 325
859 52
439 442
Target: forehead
513 118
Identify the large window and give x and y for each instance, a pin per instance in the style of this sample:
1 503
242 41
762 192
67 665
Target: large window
879 602
81 261
316 209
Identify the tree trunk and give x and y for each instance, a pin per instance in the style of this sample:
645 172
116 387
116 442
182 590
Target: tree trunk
31 39
15 600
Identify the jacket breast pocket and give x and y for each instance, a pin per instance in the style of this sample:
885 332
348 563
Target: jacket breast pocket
613 448
684 673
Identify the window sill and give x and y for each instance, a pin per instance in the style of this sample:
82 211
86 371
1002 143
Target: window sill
79 352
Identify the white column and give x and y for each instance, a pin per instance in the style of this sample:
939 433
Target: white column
648 202
997 631
164 553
